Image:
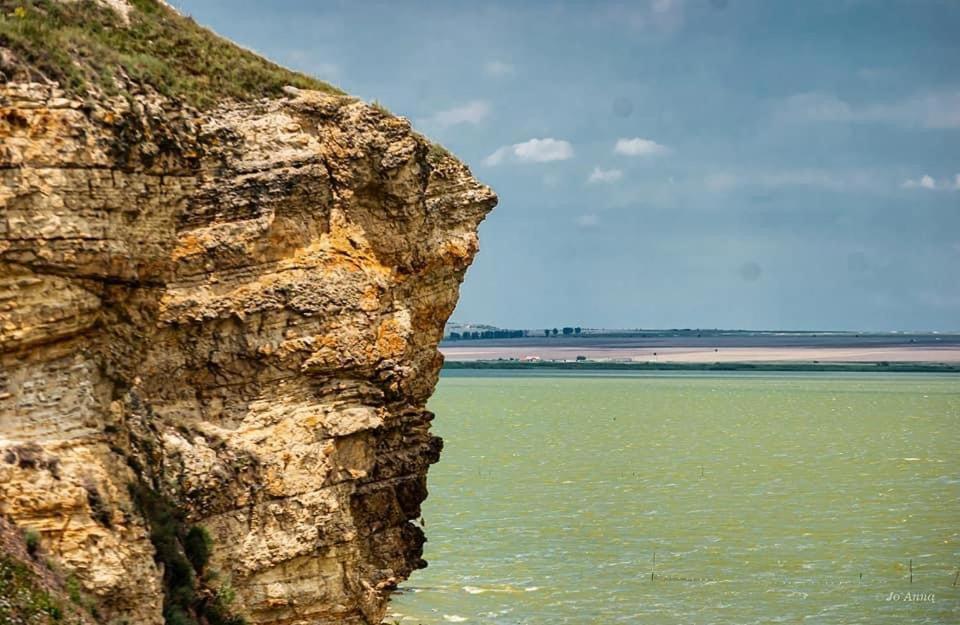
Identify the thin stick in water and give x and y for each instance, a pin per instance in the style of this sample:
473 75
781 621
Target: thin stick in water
911 570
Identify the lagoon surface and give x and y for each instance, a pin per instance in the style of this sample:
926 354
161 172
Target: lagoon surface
782 498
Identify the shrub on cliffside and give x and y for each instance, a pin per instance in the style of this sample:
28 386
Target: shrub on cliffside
184 553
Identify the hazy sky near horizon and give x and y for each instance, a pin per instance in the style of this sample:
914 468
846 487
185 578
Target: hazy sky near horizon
672 163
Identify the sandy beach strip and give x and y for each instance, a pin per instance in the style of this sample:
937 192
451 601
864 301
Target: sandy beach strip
906 353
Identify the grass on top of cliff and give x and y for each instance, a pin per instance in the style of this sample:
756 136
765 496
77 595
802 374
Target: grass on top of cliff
82 43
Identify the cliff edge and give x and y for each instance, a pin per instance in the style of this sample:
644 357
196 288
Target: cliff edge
219 313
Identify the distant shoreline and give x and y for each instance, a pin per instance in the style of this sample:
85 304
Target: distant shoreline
723 351
852 367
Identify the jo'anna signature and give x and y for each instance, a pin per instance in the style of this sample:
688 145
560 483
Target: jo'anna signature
927 597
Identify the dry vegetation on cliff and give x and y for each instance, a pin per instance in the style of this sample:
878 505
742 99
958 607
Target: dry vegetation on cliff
84 43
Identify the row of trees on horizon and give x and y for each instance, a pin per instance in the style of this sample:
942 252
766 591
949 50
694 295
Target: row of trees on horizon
511 334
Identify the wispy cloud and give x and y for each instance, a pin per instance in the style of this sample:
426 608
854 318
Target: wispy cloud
588 221
929 110
927 181
814 178
831 180
654 17
532 151
639 147
470 113
604 175
813 106
722 181
498 68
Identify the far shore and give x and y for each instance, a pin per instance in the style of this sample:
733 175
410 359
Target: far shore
733 351
594 365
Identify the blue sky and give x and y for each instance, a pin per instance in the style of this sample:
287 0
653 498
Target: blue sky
672 163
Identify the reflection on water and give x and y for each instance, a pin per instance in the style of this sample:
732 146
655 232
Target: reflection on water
692 499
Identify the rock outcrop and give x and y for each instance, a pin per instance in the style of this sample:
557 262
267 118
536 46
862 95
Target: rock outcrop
224 319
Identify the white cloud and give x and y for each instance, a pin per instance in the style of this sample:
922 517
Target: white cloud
927 181
929 110
498 156
532 151
588 221
498 68
639 147
470 113
604 175
542 150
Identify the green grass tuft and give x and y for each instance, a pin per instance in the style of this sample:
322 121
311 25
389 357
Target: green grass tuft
437 152
82 44
380 107
22 599
32 540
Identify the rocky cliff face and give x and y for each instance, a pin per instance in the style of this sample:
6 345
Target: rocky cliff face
225 320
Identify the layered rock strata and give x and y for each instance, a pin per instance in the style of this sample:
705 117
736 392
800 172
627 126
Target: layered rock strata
238 310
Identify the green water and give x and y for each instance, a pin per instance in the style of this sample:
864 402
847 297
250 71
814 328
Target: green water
765 497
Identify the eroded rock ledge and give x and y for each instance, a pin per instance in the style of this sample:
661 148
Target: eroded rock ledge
238 310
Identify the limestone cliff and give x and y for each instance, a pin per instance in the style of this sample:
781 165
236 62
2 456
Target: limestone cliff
222 317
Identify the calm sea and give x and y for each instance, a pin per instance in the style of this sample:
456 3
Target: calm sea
692 499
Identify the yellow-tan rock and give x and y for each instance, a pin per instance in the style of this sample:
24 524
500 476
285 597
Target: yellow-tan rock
239 309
